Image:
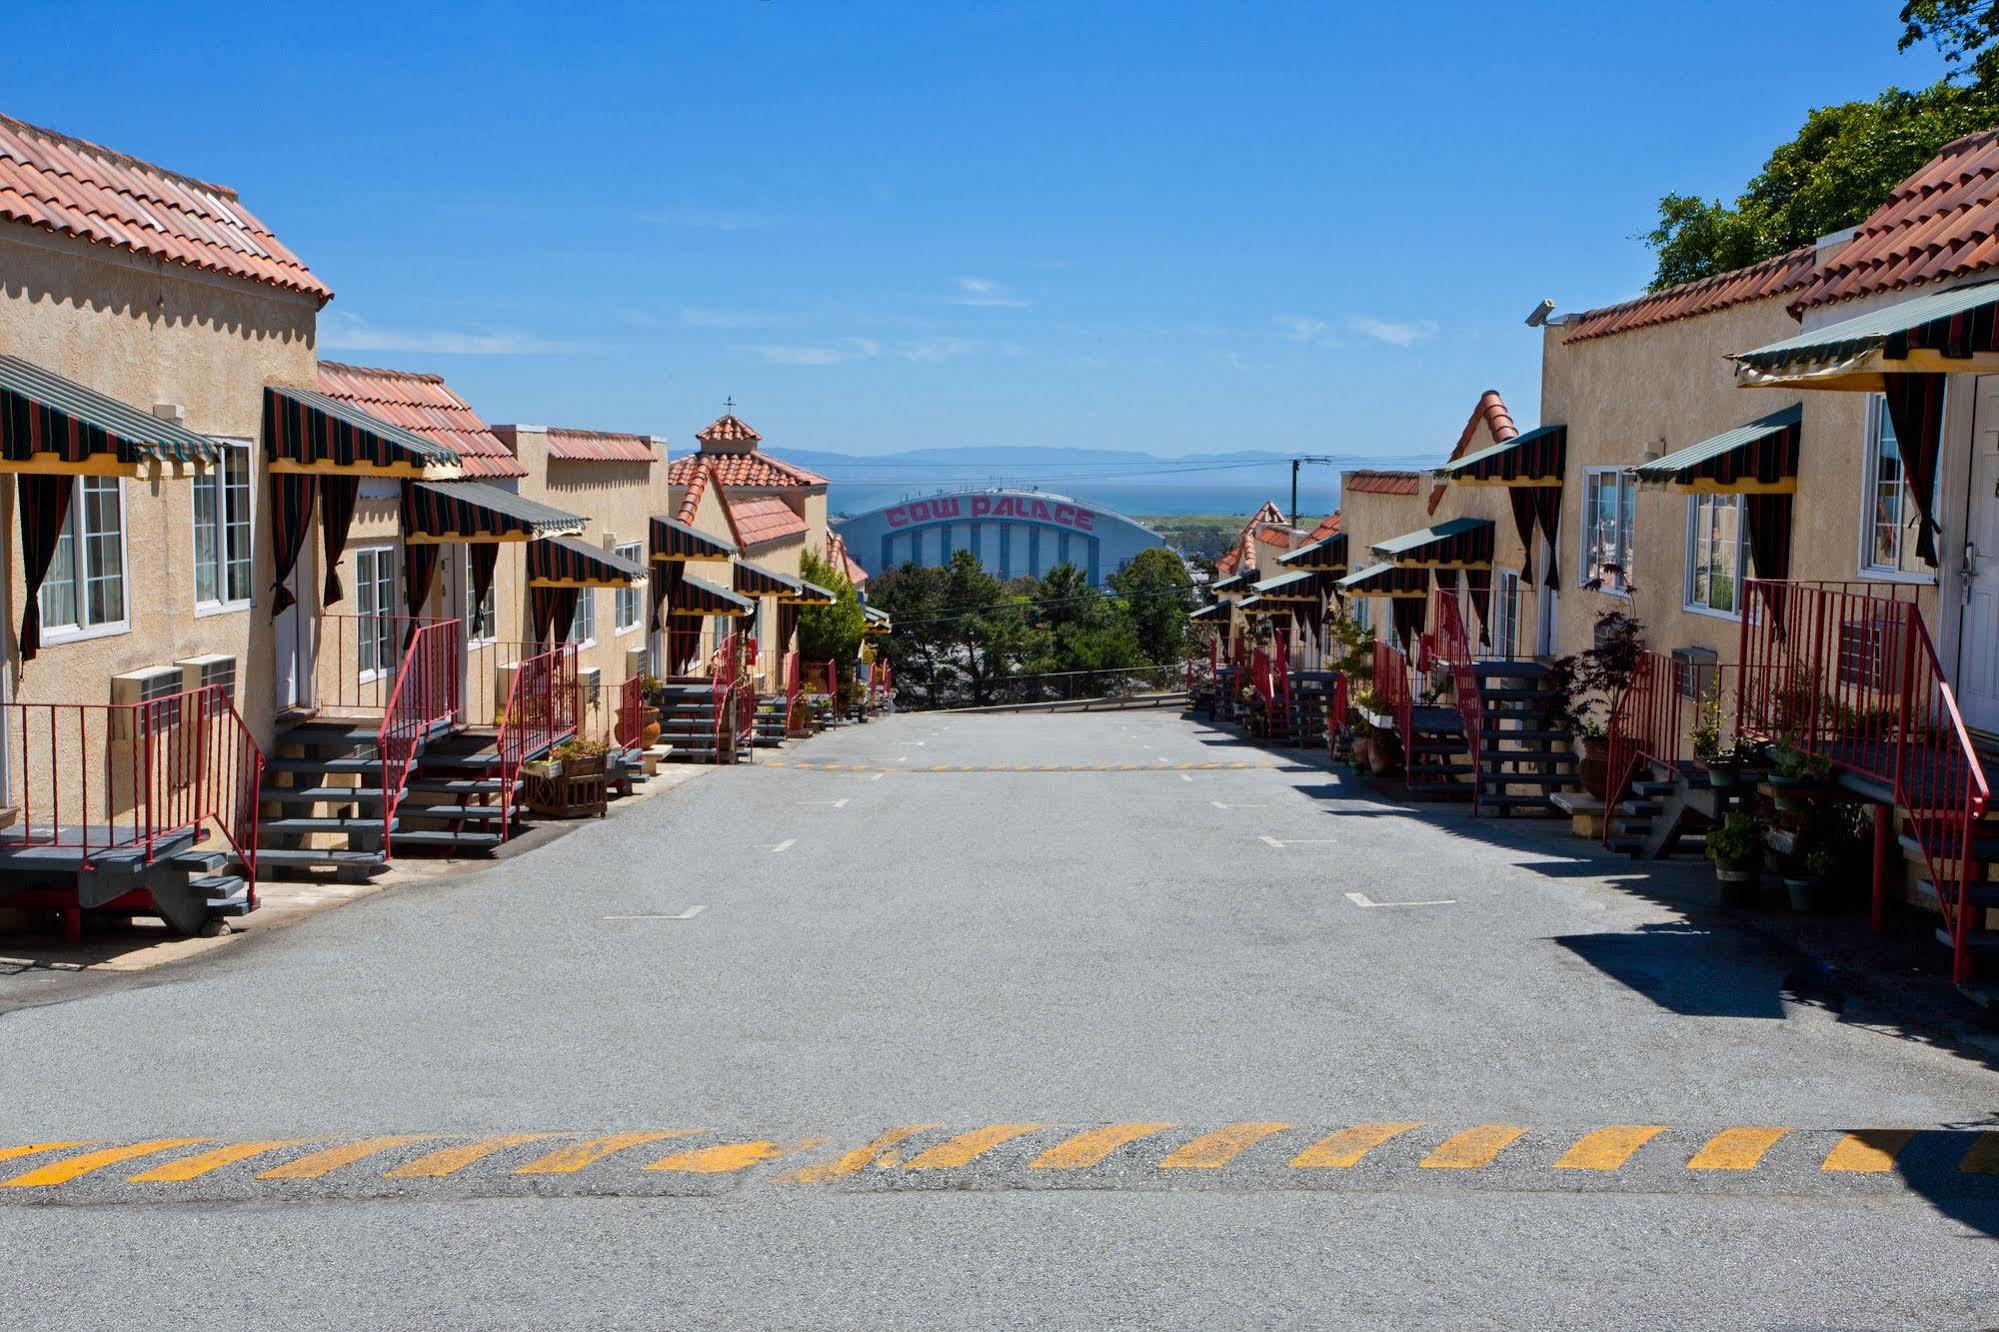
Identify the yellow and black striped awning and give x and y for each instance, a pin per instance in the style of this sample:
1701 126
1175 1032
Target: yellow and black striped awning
566 562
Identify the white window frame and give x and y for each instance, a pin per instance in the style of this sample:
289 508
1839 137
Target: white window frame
214 475
473 614
584 619
392 653
1361 617
631 597
1694 503
78 630
1506 592
1870 461
1627 539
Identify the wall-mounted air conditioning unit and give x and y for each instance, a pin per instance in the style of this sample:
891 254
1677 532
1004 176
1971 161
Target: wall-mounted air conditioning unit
1871 653
589 685
149 685
503 684
1694 671
638 661
215 669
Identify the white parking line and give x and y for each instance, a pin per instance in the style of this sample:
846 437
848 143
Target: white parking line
841 803
1297 841
688 914
1363 900
785 845
1219 805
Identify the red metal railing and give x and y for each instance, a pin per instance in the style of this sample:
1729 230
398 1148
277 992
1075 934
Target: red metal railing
1391 682
632 707
1339 703
792 678
427 694
1452 648
539 713
359 660
725 670
1848 671
1280 666
1657 718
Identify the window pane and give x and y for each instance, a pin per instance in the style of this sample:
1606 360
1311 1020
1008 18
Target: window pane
207 492
235 553
59 585
103 552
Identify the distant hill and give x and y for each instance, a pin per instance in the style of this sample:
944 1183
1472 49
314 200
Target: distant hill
1124 480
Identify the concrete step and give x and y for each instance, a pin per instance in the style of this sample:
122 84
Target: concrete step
369 763
225 894
303 795
1984 943
1983 895
301 826
458 786
273 857
449 813
465 841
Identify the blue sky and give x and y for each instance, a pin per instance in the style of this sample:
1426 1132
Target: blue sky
1159 226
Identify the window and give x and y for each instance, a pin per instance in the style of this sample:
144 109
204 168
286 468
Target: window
1888 542
85 586
583 628
1361 617
1714 553
222 570
377 606
1609 503
480 621
631 600
1505 627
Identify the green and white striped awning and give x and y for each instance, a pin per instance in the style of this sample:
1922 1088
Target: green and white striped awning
52 424
810 594
475 511
1460 543
306 431
1955 331
1758 458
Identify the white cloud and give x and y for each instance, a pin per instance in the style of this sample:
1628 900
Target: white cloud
846 349
985 292
348 332
1300 328
1383 330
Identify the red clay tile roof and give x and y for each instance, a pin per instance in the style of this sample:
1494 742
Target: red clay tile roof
843 559
599 446
695 478
761 518
1245 545
1276 536
1942 222
745 471
1329 527
690 502
424 405
1772 277
1491 414
730 431
1382 483
65 185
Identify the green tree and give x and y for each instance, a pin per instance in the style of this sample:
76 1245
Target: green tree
1083 629
1838 168
914 595
1965 31
831 633
1157 595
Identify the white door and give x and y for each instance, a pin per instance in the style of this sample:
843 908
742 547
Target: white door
1545 600
294 632
1978 633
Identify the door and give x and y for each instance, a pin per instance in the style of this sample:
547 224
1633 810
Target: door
1977 661
1545 600
294 634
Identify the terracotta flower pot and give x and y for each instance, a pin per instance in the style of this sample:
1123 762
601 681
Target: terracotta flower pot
1594 769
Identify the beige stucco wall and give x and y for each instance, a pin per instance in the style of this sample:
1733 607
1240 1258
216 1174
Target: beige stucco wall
145 333
1368 517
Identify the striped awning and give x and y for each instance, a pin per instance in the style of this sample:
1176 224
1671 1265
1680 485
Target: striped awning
1386 580
1300 586
1758 458
810 594
51 424
476 511
696 596
1214 610
757 581
1232 582
879 621
1533 459
567 562
1328 556
306 431
675 540
1955 331
1461 543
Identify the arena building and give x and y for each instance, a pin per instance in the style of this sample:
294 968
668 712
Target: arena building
1012 532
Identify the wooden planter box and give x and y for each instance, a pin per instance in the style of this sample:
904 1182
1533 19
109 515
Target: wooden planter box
576 788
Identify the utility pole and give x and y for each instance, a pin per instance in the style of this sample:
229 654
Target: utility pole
1302 458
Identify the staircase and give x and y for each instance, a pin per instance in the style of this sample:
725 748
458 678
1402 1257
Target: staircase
1526 750
1311 695
453 802
323 799
770 720
1437 765
687 723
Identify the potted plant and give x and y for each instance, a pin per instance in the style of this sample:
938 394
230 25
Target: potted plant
1809 883
1795 775
1590 685
1384 753
1735 847
1722 761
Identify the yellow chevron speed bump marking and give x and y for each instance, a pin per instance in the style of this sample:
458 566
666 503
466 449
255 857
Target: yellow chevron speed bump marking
1736 1149
75 1167
1473 1149
1867 1151
1338 1151
969 1147
1608 1148
579 1156
1093 1145
729 1157
16 1153
450 1160
202 1163
1212 1150
317 1165
880 1152
1983 1158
